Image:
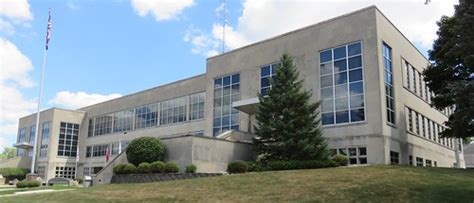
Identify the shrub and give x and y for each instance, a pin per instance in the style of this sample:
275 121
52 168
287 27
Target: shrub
129 168
254 166
145 149
237 167
296 164
119 168
341 160
143 168
171 167
14 173
157 167
191 168
27 183
79 180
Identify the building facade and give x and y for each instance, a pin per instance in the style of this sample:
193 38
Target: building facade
375 106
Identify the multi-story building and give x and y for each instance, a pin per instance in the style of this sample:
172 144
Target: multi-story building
375 106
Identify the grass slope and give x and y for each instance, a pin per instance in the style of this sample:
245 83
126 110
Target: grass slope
366 184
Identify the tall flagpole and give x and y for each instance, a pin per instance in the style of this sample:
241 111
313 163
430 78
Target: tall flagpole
48 36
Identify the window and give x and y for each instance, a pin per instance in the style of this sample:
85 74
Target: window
419 161
99 150
414 73
423 130
410 119
86 171
90 128
410 160
429 128
420 80
44 139
417 123
96 169
115 148
394 158
266 73
173 111
32 134
146 116
196 106
88 151
68 137
342 84
21 139
428 163
123 120
435 164
226 91
356 155
388 79
103 125
65 172
406 74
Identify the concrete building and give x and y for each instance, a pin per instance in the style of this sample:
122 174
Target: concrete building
375 105
469 155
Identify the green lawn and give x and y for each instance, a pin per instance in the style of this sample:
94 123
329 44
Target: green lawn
366 184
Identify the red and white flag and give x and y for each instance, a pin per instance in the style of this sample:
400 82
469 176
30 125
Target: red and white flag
48 29
107 154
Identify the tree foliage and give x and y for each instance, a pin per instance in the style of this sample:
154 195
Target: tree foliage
8 153
288 124
450 76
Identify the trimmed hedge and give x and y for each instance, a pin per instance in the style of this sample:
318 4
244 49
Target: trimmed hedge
191 168
157 167
129 168
341 160
143 168
27 183
237 167
14 173
294 165
171 167
145 149
119 168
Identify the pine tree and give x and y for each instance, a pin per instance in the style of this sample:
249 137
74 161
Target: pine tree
288 123
451 75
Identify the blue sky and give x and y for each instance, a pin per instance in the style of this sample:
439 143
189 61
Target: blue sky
103 49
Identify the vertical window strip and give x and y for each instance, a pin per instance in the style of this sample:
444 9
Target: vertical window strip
68 138
226 91
388 79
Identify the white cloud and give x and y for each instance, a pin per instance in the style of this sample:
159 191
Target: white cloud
14 75
6 27
161 9
261 19
16 9
75 100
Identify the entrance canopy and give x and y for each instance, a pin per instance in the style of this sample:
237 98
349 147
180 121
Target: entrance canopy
248 106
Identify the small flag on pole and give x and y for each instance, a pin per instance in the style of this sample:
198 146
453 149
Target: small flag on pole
48 29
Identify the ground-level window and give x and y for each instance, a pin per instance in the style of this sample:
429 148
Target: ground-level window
394 158
435 164
86 171
410 160
96 170
65 172
428 163
419 161
355 155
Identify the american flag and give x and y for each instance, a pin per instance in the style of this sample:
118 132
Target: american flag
107 154
48 30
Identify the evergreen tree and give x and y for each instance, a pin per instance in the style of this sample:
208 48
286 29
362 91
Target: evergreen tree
451 74
288 123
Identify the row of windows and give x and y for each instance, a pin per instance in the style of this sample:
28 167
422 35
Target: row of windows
342 85
101 149
68 138
21 139
419 162
355 155
420 125
152 115
91 170
388 81
226 91
413 80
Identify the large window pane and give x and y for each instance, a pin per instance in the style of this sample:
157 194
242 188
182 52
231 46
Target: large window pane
327 118
340 65
340 78
357 101
356 88
342 103
341 91
342 116
357 115
355 62
327 105
326 68
326 81
354 49
355 75
325 56
339 53
327 93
